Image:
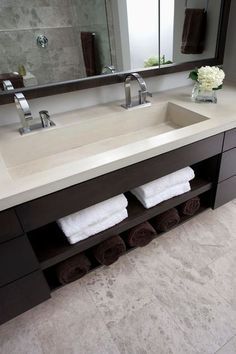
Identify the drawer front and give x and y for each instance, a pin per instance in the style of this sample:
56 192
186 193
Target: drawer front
228 165
22 295
230 140
47 209
9 225
226 191
16 260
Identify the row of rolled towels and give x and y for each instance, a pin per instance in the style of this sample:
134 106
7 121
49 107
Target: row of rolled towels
109 251
99 217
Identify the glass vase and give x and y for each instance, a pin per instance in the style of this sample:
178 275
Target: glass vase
201 95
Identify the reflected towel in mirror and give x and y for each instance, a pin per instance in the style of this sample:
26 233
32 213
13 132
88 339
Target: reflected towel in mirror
194 31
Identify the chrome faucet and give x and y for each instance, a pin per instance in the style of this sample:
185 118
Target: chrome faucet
45 119
143 92
24 112
7 85
26 117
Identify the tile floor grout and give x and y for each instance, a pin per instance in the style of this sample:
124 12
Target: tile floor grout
225 344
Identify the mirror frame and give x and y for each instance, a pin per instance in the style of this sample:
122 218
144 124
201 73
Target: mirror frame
109 79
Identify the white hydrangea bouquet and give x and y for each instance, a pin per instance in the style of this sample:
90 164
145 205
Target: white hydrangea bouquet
208 79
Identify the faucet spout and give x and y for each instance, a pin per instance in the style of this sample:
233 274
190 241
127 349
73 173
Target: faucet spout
140 80
143 92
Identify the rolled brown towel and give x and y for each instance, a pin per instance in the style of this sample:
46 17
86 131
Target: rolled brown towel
110 250
140 235
166 220
73 268
190 207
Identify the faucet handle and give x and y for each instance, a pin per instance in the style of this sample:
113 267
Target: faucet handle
45 119
143 96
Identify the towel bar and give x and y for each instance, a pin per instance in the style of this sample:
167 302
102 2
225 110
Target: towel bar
206 6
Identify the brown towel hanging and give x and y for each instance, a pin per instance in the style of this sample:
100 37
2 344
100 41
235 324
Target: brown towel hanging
194 31
89 52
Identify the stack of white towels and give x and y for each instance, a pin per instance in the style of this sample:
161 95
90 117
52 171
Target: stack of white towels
92 220
164 188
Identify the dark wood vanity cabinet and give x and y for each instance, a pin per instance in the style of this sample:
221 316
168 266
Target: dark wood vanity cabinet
226 188
9 225
17 259
22 283
230 140
22 294
23 267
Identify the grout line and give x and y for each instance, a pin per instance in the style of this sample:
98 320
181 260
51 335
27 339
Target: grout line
33 28
165 305
218 258
225 344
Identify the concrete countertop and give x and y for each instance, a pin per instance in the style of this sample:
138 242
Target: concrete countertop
22 182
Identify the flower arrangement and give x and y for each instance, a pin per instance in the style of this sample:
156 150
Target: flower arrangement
208 77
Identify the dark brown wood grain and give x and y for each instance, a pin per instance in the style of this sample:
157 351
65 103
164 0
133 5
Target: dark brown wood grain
22 295
230 139
17 259
225 192
9 225
228 165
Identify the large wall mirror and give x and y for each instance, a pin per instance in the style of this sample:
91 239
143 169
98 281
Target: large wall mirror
53 46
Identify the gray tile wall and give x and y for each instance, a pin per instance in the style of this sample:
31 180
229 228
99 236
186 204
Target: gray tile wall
92 17
21 21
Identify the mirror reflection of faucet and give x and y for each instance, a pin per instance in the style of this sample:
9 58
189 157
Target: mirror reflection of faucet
7 85
142 93
108 69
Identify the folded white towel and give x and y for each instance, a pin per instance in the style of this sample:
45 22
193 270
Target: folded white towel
164 195
76 222
105 224
161 184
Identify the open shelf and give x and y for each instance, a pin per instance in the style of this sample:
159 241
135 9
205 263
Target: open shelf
52 247
50 273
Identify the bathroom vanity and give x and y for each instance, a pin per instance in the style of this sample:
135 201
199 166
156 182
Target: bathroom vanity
91 155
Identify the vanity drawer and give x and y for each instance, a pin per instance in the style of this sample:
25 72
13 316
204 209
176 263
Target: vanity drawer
226 191
22 295
228 165
230 140
9 225
16 260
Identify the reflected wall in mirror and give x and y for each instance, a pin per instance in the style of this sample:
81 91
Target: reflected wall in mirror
49 41
189 29
77 34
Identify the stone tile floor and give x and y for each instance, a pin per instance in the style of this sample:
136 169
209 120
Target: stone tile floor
176 295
